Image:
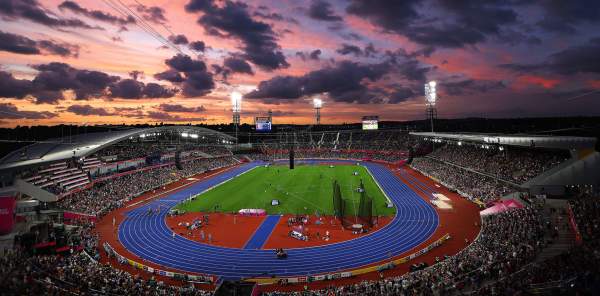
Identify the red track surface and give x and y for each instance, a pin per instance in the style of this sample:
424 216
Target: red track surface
224 231
280 239
462 222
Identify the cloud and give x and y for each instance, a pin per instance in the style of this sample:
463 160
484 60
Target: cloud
191 75
470 86
18 44
152 14
180 108
10 111
33 11
459 23
54 78
197 46
11 87
133 89
232 19
237 65
96 14
343 83
573 60
350 49
61 49
313 55
178 39
321 10
87 110
564 16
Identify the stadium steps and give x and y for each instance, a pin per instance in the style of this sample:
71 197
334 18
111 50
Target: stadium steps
566 237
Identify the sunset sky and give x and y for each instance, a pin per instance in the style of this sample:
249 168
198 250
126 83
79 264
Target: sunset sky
177 61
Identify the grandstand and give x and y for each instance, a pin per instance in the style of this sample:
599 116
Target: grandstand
486 206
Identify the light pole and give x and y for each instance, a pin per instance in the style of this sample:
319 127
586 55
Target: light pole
236 107
317 104
430 100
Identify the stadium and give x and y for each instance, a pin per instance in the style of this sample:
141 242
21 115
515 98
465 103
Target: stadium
203 147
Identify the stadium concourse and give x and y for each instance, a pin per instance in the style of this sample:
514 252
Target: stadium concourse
91 216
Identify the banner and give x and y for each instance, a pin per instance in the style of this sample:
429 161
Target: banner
8 205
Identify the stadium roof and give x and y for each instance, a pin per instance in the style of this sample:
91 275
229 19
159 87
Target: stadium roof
86 144
532 141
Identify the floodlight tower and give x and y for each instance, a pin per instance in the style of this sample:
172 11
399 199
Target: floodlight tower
430 100
236 107
317 104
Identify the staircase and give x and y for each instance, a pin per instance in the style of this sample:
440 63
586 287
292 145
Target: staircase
556 212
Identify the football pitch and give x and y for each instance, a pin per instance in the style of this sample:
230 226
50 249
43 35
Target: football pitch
307 189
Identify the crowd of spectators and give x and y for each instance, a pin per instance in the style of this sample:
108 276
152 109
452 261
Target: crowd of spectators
508 241
77 274
473 185
272 154
512 164
25 273
108 194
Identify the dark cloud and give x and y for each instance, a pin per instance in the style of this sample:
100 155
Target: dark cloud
18 44
10 111
400 94
573 60
178 39
170 75
87 110
96 14
470 86
232 19
350 49
23 45
343 83
238 65
197 46
135 74
152 14
565 16
184 63
133 89
10 87
180 108
313 55
462 22
191 75
321 10
390 15
33 11
269 16
54 78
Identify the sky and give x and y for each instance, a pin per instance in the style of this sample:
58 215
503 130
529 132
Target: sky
178 61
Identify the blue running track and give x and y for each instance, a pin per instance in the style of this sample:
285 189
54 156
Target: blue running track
149 237
262 233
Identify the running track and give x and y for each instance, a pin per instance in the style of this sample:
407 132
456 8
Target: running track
148 237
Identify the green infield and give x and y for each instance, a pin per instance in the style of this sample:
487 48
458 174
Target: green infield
303 190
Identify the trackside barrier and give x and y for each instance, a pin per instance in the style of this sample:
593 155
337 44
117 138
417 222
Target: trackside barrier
347 274
175 275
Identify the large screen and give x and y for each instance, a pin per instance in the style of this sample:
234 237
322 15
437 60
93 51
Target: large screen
370 122
263 124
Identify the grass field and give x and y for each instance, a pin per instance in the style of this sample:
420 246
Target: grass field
304 190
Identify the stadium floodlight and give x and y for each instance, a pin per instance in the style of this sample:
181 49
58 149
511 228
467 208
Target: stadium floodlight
236 101
184 135
430 93
317 104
